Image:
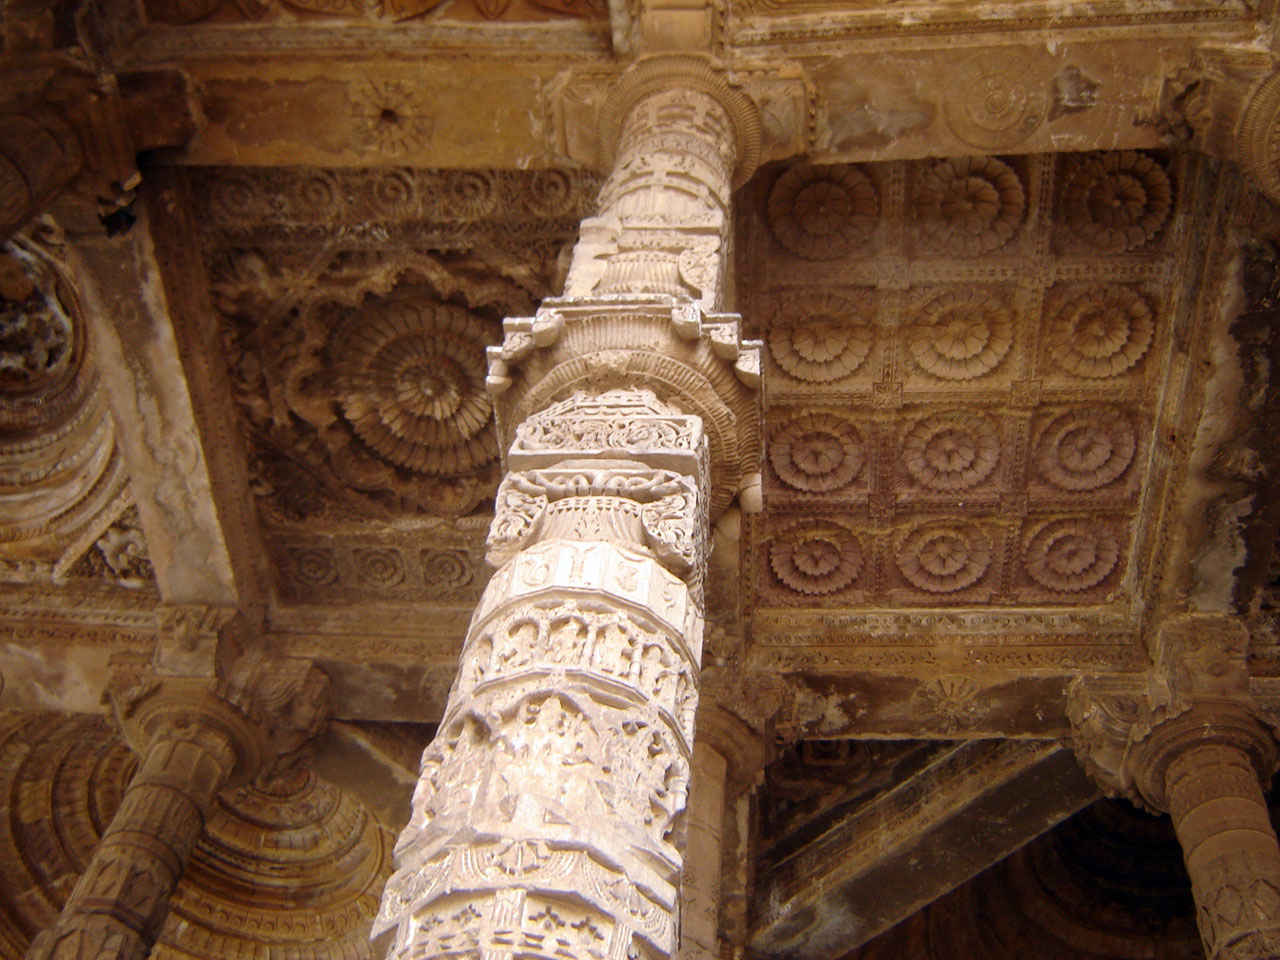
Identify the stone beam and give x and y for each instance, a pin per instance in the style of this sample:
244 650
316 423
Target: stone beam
973 806
381 103
146 301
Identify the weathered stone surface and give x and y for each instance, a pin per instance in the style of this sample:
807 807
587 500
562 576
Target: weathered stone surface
876 864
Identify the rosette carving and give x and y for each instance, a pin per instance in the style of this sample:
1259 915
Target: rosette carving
824 338
1102 333
823 213
816 560
951 451
1086 449
945 557
961 335
817 452
379 567
411 384
968 206
1115 201
1069 556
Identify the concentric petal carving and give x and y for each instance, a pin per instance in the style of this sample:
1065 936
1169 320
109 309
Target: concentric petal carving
469 193
823 213
824 338
1115 201
1071 555
968 206
816 560
1086 449
951 451
817 453
412 385
961 335
1103 333
945 557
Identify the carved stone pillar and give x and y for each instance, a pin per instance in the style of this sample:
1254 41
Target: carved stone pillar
192 742
1189 742
549 818
1204 768
700 894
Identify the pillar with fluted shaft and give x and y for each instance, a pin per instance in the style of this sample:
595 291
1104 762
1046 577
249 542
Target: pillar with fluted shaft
1188 740
1206 768
193 738
550 814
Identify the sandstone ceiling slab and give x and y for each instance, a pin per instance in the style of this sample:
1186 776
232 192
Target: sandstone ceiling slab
968 364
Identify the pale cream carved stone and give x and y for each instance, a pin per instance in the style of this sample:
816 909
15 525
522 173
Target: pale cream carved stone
549 817
550 814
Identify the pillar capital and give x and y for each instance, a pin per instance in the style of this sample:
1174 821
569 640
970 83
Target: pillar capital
688 77
1189 741
1227 103
63 124
1126 731
261 709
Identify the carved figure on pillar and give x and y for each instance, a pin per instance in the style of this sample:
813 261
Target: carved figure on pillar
550 812
1192 744
193 741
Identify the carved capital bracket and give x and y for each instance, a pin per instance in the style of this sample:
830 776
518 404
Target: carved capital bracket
1127 731
63 126
193 639
696 361
261 709
1226 102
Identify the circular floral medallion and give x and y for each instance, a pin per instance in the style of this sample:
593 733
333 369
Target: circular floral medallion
379 567
1071 555
1102 333
314 566
411 384
951 451
823 213
1115 201
817 453
816 560
821 339
395 192
944 558
446 569
961 335
968 206
469 193
549 193
1086 449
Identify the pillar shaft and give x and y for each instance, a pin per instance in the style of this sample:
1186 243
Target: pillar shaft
664 219
549 818
550 812
1221 819
701 890
119 903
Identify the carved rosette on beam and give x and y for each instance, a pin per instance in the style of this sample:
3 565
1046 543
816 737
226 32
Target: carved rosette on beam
1192 743
550 814
193 741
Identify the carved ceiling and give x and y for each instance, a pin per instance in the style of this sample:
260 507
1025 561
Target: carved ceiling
1009 424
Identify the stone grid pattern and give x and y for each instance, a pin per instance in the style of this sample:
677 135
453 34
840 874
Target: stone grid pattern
965 361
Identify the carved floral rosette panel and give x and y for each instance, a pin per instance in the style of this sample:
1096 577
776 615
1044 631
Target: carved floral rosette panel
357 358
967 359
549 816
